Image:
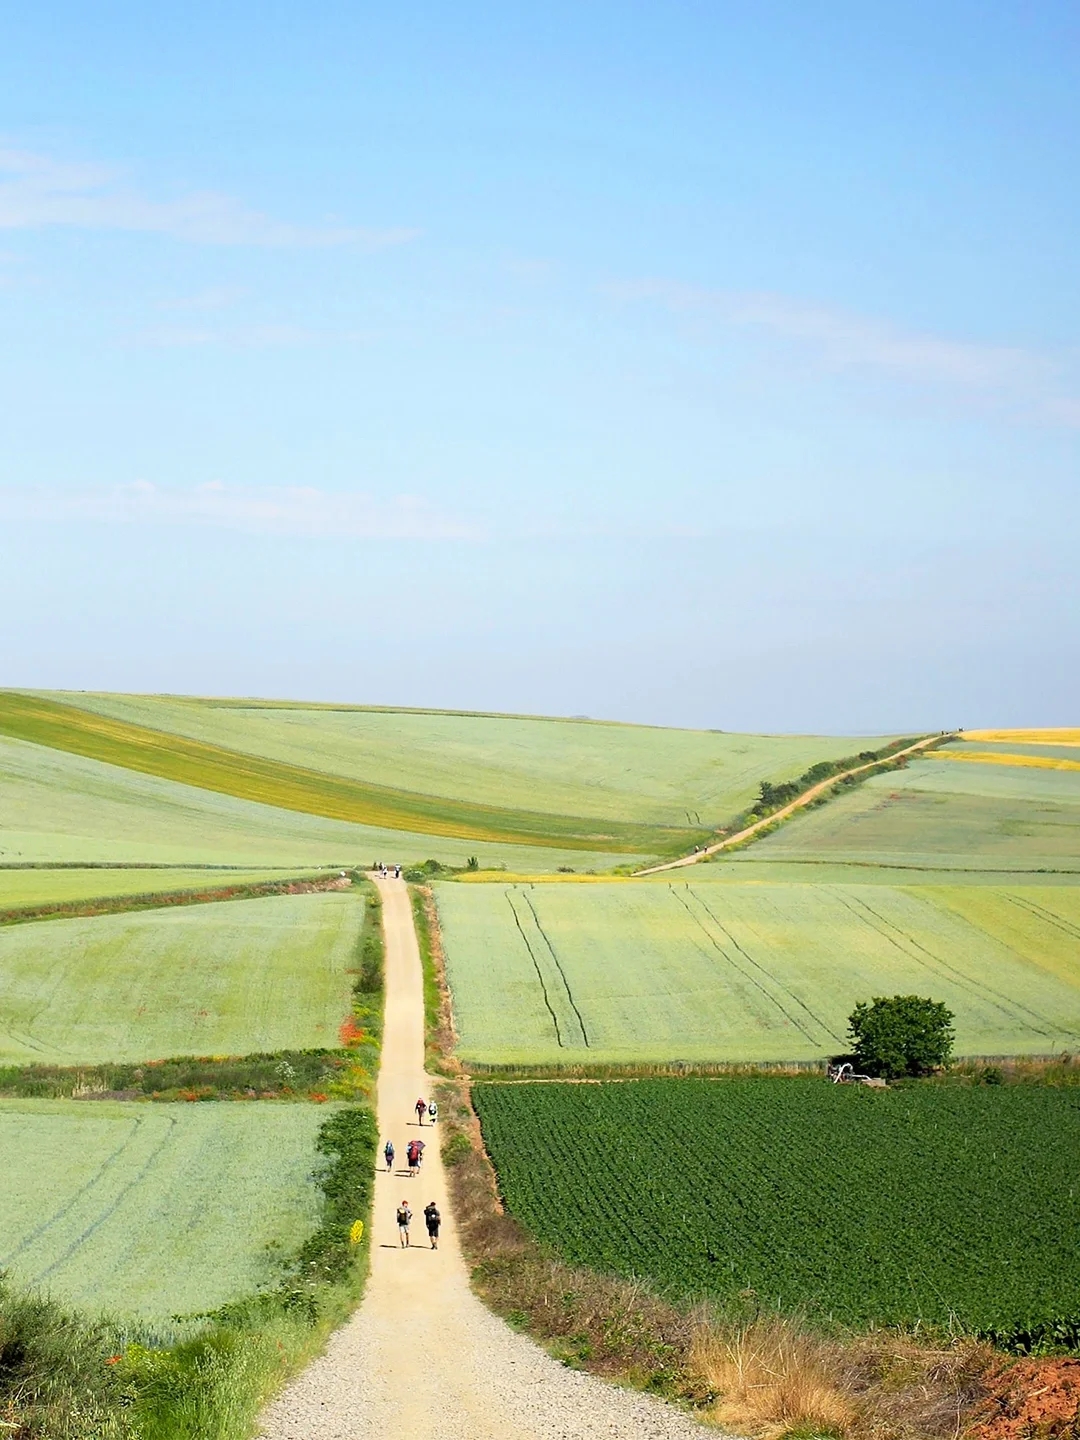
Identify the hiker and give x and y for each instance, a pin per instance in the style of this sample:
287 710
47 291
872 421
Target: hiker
433 1111
388 1155
420 1107
397 872
404 1216
433 1220
411 1154
419 1153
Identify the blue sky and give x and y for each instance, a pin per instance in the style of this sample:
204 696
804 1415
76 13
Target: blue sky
705 364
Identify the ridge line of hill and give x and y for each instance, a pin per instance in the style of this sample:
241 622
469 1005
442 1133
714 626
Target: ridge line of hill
255 702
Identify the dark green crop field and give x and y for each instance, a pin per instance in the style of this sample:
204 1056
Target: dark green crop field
954 1206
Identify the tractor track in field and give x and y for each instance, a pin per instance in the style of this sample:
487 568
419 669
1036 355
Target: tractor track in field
539 973
736 966
73 1200
775 980
111 1210
1047 916
558 966
889 930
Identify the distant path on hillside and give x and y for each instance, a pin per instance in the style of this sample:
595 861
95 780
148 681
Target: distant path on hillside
423 1358
781 814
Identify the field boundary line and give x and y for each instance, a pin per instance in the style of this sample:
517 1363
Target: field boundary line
91 908
789 809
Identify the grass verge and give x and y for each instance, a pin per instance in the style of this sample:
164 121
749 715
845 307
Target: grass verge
439 1033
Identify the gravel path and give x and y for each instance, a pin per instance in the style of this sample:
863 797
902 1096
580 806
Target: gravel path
422 1358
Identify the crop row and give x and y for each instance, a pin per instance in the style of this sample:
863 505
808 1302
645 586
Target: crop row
953 1207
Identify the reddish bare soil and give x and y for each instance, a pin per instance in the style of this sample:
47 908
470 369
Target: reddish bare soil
1032 1400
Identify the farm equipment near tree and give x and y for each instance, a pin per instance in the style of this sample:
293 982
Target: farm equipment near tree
846 1074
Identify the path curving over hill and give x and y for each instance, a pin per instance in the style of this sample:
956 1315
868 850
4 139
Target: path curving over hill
797 804
422 1357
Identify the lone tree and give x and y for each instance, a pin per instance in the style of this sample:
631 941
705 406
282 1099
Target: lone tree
901 1035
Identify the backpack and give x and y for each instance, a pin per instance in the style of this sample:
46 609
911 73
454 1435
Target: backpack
403 1217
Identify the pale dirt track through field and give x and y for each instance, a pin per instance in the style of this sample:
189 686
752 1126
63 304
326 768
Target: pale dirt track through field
422 1359
786 810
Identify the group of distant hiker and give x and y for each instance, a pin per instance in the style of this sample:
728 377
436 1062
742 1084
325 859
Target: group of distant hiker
383 869
414 1155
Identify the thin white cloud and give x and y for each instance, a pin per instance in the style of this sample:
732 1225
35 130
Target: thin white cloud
297 511
38 191
243 337
216 297
838 340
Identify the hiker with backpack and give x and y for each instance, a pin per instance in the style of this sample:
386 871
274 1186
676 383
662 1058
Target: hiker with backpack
411 1153
421 1108
388 1155
404 1218
433 1220
433 1111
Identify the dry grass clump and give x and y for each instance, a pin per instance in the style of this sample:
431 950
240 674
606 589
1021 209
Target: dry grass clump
771 1377
775 1376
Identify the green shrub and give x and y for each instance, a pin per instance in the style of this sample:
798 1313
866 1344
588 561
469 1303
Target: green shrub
901 1035
56 1380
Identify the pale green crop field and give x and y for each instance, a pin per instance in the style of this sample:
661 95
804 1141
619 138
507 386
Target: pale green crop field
632 773
689 971
28 888
56 807
950 815
153 1210
227 978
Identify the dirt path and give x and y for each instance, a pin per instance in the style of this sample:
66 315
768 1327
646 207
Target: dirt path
781 814
422 1359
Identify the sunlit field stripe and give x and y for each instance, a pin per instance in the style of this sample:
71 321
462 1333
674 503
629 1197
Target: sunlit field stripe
995 757
1026 737
292 787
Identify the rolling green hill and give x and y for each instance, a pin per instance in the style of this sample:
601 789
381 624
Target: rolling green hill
627 775
61 808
